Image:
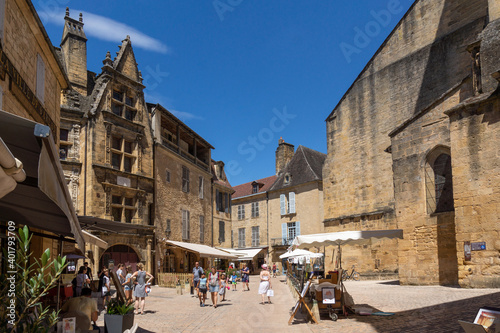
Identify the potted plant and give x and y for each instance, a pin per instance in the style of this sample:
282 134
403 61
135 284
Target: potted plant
118 317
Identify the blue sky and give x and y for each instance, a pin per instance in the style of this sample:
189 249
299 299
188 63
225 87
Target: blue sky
240 73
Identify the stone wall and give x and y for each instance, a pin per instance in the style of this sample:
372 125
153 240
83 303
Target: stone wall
475 134
218 216
248 222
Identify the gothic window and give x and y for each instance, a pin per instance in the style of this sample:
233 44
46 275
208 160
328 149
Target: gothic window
122 208
438 182
122 157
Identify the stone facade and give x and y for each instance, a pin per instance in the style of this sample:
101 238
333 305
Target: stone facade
107 151
183 208
31 79
412 166
221 203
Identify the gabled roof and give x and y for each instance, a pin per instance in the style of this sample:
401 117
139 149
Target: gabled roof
305 166
246 189
222 182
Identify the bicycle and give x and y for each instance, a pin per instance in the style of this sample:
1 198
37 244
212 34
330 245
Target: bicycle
354 275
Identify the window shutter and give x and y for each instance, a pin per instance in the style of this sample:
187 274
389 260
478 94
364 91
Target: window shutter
184 235
297 228
216 199
283 204
283 233
40 79
226 199
291 197
187 224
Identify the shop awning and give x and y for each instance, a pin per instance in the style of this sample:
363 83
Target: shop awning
301 253
244 254
42 200
98 224
344 237
91 239
203 250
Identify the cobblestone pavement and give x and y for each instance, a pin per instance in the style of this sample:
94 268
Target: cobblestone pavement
416 308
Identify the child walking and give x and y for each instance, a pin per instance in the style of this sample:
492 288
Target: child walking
222 286
234 278
202 290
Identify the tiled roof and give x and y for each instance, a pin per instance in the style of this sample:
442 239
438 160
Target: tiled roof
305 166
246 189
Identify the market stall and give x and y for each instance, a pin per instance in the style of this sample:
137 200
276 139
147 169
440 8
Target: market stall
329 291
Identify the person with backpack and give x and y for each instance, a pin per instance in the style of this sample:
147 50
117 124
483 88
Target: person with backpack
202 289
213 285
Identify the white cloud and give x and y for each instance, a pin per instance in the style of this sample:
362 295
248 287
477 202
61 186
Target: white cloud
165 102
184 115
104 28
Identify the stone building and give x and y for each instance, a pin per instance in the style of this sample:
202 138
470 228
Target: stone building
221 206
295 198
411 145
31 80
107 149
183 209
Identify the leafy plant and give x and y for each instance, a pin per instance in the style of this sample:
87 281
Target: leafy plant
117 307
24 284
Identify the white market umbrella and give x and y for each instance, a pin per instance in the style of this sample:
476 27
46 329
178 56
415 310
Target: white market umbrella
343 238
301 253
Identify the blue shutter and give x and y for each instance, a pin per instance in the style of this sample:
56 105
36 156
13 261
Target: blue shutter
283 233
297 228
291 197
283 204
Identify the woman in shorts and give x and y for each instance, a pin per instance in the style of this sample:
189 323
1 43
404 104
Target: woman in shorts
128 285
213 286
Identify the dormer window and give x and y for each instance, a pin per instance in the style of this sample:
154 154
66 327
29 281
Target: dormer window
287 179
255 188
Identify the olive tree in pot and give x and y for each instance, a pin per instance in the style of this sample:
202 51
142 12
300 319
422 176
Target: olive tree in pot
119 316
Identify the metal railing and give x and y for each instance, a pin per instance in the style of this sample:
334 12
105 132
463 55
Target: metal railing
281 241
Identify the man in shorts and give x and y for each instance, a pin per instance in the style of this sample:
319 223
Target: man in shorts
245 272
197 272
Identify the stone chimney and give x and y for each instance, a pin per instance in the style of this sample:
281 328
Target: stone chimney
74 50
284 154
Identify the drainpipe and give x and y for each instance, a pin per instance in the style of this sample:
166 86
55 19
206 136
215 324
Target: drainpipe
85 172
212 204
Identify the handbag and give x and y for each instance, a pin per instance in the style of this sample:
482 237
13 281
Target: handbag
270 292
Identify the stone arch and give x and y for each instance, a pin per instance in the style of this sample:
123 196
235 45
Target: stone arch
438 180
120 253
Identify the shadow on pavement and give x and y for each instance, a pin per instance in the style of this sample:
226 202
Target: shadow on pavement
441 317
390 282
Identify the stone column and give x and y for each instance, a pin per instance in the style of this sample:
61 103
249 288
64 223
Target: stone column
148 256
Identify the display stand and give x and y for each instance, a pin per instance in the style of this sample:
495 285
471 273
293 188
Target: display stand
301 300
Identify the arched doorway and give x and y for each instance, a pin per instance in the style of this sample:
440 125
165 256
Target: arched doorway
119 254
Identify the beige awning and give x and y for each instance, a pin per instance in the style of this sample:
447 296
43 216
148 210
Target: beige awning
203 250
42 200
91 239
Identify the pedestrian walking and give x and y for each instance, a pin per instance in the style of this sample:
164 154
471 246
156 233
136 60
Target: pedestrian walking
128 285
245 276
265 284
82 280
213 285
222 286
274 270
197 271
202 290
140 288
89 271
234 280
106 288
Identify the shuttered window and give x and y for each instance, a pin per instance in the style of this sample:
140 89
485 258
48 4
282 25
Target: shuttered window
241 237
255 236
291 199
201 187
283 204
185 224
222 231
241 212
255 209
185 179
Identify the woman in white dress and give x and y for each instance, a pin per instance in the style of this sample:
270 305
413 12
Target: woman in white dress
265 284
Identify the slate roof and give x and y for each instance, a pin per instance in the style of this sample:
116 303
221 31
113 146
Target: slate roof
305 166
246 189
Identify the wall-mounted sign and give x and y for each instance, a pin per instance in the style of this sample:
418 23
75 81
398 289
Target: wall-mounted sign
123 181
478 246
467 249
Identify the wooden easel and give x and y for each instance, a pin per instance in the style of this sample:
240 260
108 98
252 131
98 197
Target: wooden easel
119 288
301 300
